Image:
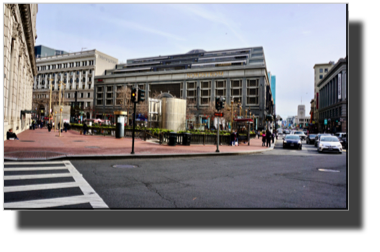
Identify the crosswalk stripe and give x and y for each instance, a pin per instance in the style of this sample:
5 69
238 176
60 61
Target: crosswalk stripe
36 168
54 202
90 196
53 175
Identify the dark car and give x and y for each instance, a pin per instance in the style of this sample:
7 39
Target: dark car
292 141
318 137
343 142
310 139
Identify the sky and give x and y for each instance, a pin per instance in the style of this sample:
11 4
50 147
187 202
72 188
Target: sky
295 37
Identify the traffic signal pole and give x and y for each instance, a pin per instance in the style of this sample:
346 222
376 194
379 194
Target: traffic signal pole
217 140
133 130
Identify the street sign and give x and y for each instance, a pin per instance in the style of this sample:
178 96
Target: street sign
218 114
325 121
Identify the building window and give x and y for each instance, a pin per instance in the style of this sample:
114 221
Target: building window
109 95
220 88
84 72
88 95
181 89
81 95
91 63
88 104
71 64
253 92
320 70
205 93
326 70
90 71
77 64
320 77
236 90
68 95
191 94
84 63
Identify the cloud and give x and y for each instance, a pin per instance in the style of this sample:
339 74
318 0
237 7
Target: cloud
139 27
215 17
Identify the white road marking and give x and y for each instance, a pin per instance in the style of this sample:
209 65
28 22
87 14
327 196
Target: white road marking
90 196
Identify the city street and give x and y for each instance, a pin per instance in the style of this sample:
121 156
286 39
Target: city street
272 179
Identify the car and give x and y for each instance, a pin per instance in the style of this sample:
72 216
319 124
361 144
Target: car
286 132
300 134
317 138
329 144
292 141
310 139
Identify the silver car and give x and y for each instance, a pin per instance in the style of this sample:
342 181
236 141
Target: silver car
329 144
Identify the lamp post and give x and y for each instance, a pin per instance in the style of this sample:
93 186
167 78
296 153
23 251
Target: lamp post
232 112
55 124
60 108
240 108
50 87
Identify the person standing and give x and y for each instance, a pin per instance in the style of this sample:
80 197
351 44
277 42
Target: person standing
84 128
268 137
273 137
263 139
65 126
34 124
49 127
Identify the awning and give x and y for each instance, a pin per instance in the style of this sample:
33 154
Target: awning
244 120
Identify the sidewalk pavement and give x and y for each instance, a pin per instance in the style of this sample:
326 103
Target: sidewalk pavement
40 144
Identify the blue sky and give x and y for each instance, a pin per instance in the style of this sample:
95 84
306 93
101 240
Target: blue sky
294 36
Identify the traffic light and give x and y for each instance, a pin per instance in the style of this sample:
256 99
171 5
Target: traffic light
217 103
141 95
222 101
134 95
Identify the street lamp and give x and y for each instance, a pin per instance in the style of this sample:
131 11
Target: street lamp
55 124
60 108
232 111
50 87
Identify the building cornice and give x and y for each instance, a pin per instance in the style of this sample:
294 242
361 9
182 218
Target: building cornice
68 56
28 32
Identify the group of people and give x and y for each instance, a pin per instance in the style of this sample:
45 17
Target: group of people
268 137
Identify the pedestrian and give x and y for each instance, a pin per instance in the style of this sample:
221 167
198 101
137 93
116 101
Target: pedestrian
268 137
49 126
11 135
233 137
84 128
34 124
276 135
273 137
263 139
65 126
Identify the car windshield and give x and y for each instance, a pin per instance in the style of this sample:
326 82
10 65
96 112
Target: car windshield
298 132
311 136
292 137
329 139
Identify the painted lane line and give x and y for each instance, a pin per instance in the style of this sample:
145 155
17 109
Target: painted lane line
29 163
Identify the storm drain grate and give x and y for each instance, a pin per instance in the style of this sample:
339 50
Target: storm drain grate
125 166
92 147
26 141
327 170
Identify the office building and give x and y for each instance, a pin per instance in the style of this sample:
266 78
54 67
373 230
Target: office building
77 72
333 99
44 51
239 75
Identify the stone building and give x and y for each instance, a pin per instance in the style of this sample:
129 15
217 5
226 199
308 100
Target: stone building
19 65
76 71
239 75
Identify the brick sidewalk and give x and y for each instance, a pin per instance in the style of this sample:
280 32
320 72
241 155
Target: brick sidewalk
41 144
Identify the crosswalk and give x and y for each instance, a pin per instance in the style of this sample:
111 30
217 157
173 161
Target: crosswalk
55 184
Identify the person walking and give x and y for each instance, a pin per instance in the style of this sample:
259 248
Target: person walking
65 126
49 127
34 124
84 128
273 137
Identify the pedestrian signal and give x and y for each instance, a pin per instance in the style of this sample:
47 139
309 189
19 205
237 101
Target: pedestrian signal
141 96
217 103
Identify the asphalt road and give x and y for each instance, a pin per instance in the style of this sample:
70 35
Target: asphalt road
273 179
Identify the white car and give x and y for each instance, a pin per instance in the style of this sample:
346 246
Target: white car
329 144
300 134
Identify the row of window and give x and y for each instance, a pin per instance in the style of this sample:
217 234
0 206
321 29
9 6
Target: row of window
62 74
236 92
66 65
332 113
68 95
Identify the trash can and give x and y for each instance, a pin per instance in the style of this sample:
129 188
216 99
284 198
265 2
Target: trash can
186 138
119 130
172 139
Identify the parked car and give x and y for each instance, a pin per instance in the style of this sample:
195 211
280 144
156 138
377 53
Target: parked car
310 139
300 134
329 144
292 141
317 138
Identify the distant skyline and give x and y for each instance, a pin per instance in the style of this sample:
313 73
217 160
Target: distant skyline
295 37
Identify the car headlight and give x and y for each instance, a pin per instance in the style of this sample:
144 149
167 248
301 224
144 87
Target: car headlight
284 141
299 141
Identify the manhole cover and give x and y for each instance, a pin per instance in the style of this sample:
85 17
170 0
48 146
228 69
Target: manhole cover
125 166
327 170
26 141
92 147
78 141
